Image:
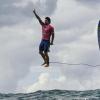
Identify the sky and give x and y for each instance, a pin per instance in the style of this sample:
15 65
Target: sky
75 23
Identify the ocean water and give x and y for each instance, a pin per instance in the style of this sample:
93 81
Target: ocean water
54 95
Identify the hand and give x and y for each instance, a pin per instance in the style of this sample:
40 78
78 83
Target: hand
34 11
51 43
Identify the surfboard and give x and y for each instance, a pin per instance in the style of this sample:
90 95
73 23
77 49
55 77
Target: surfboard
99 34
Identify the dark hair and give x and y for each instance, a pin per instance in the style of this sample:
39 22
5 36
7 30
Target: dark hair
48 18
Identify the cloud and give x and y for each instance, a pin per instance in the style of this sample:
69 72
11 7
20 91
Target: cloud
16 54
75 16
16 51
90 3
16 34
11 14
75 42
44 6
14 12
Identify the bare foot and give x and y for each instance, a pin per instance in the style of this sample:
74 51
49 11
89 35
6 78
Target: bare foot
47 65
43 63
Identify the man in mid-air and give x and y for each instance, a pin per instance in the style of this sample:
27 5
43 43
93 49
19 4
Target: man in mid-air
47 38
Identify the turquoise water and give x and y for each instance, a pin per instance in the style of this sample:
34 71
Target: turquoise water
54 95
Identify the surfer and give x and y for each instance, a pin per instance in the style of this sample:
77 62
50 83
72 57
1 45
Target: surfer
47 38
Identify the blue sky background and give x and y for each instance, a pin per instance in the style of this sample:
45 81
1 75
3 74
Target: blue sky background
75 23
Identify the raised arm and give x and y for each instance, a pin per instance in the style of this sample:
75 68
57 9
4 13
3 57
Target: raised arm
39 19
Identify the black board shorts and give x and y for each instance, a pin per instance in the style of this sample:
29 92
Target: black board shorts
44 46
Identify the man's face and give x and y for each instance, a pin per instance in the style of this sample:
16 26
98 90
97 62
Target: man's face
46 22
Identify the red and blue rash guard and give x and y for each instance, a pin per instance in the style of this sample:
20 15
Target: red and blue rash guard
47 30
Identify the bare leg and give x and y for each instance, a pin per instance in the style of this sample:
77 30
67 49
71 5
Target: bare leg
46 59
43 56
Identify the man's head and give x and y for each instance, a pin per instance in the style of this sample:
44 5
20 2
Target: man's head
47 20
